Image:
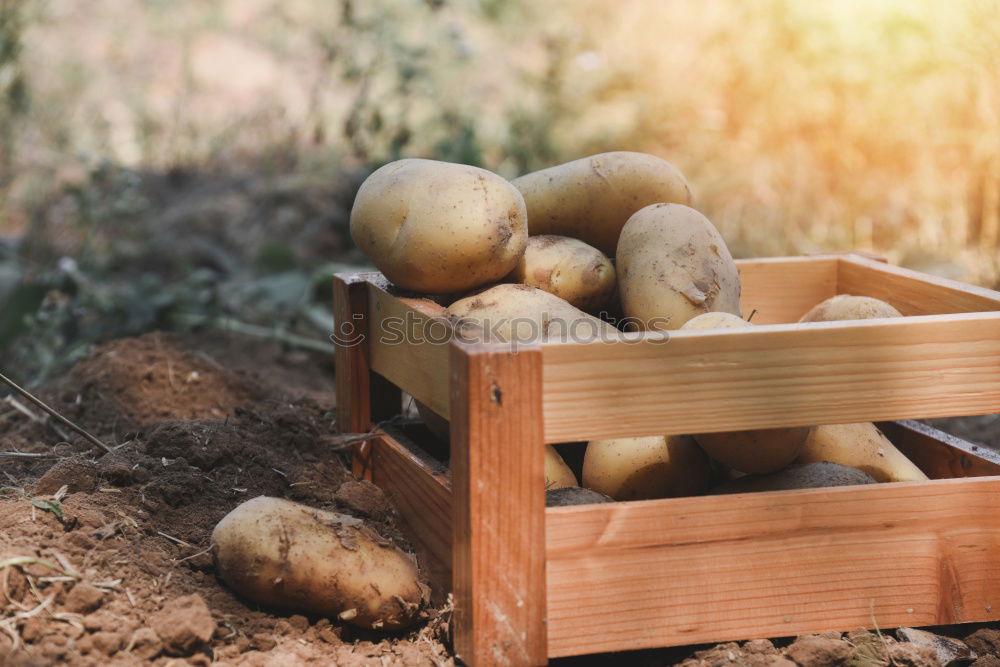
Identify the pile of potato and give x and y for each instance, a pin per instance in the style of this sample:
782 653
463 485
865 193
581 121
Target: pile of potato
594 247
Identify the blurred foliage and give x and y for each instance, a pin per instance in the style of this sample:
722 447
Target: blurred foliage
13 87
188 163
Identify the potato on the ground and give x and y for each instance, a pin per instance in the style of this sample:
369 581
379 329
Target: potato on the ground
521 314
797 476
645 468
569 268
280 553
590 199
673 265
860 446
849 307
438 227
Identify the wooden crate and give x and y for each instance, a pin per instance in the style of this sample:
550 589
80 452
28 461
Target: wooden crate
532 583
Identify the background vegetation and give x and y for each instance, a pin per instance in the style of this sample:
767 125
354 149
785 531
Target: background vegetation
185 163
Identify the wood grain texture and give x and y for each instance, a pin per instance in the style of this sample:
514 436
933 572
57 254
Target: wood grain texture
658 573
774 376
911 292
782 289
938 454
409 346
420 488
363 398
498 504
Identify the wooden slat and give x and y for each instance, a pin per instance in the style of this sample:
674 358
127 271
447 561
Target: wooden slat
774 376
911 292
939 454
498 505
409 346
363 398
659 573
420 488
782 289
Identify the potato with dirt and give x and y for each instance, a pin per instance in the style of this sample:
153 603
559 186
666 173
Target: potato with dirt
797 476
437 227
523 314
673 265
569 268
849 307
590 199
283 554
574 495
646 467
862 446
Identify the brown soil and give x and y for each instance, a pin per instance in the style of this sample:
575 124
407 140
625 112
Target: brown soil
124 575
118 569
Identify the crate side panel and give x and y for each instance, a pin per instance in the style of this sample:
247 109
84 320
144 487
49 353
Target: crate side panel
782 289
420 490
409 347
663 573
774 376
498 513
912 292
939 454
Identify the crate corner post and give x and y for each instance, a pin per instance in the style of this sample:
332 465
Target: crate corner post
498 479
363 397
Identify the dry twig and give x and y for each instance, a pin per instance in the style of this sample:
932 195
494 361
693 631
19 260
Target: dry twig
52 412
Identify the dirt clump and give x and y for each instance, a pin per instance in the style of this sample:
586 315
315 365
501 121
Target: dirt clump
985 641
754 653
817 651
183 625
156 377
77 474
362 498
906 654
83 598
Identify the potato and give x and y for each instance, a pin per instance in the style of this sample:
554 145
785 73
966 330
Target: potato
280 553
522 314
437 227
847 307
860 446
557 473
572 270
590 199
673 266
756 451
716 321
643 468
797 476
